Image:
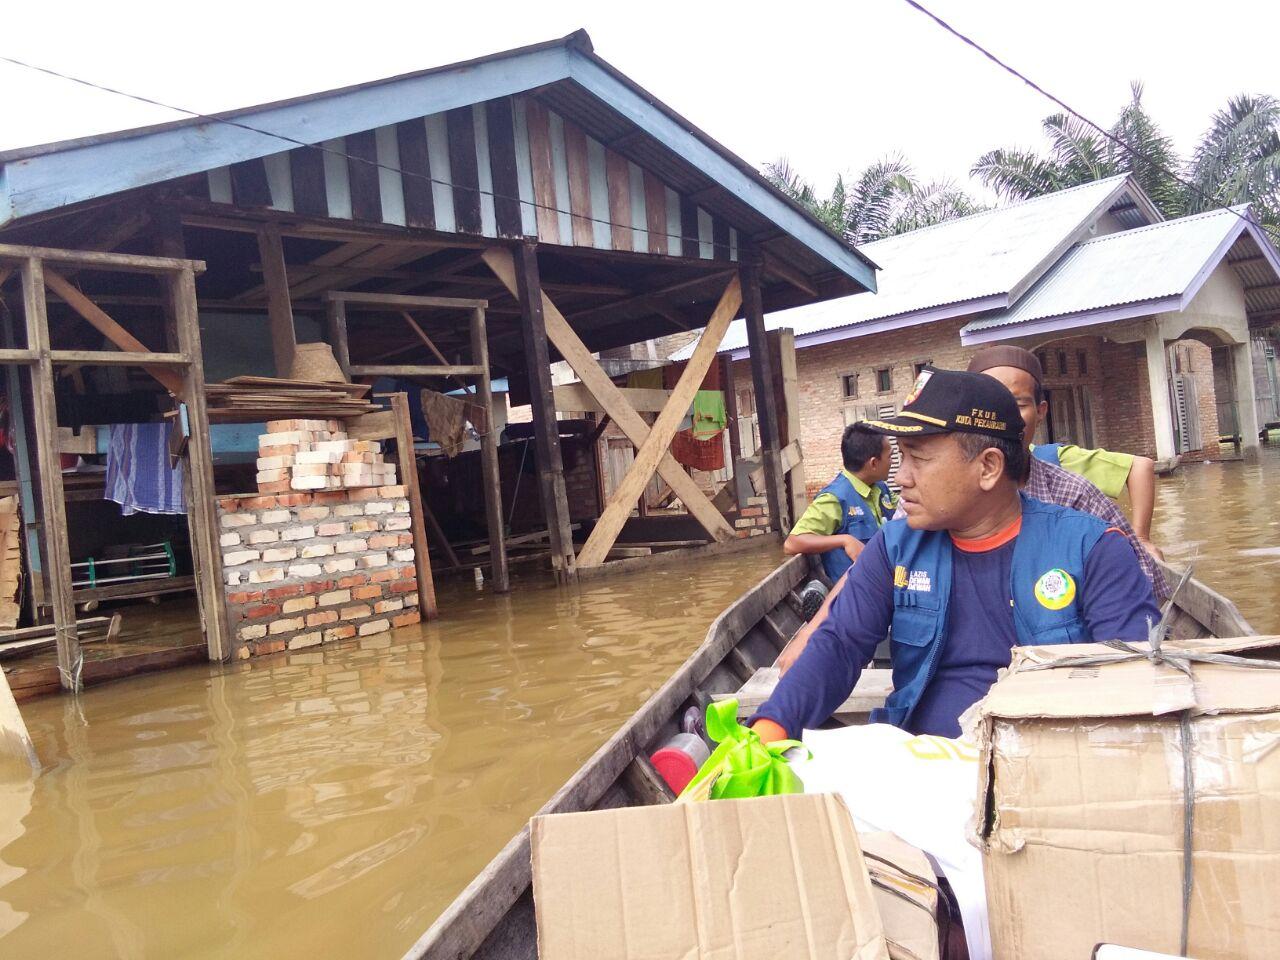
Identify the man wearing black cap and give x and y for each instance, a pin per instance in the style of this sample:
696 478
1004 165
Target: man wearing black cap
974 569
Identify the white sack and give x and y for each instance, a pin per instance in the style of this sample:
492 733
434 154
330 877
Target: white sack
922 789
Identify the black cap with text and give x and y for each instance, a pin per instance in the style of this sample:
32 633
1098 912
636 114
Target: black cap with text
950 401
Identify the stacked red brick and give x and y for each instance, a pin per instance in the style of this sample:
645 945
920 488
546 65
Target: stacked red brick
753 519
310 568
317 455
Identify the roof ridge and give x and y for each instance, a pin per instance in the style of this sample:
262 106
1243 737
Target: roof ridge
577 40
1203 214
994 210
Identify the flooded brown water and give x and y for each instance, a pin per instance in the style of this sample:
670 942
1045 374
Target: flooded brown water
1226 516
330 803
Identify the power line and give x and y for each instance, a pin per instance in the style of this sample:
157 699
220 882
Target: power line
728 248
1083 119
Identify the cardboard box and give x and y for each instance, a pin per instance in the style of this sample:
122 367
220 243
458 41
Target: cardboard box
762 879
908 907
1081 805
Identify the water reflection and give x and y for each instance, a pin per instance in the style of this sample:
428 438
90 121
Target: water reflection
330 802
1226 516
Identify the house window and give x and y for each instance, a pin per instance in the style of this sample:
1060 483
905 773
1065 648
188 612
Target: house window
916 368
1044 362
1082 361
1062 362
884 379
850 384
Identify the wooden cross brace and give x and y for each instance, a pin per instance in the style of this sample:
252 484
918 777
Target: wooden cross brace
171 380
651 442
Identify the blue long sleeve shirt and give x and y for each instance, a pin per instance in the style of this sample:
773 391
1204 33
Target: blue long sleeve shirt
1116 603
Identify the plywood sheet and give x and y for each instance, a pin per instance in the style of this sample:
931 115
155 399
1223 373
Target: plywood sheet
10 562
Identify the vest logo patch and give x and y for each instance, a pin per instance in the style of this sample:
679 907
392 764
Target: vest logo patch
919 580
1055 590
855 511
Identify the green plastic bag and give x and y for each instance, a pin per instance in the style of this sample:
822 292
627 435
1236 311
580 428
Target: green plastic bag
741 766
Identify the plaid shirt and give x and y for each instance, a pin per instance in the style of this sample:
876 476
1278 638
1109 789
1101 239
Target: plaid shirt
1052 484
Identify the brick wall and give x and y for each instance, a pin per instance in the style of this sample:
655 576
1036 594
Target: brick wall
1074 366
1125 412
309 568
752 520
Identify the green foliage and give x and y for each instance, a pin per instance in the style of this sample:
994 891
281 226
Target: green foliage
1236 161
882 200
1238 158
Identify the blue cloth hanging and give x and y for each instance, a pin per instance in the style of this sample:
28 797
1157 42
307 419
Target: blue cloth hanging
139 475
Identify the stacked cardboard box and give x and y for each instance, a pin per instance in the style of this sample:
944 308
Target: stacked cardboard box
763 878
317 455
1126 801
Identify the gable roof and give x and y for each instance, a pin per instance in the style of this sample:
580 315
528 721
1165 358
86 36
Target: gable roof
566 73
1154 269
960 267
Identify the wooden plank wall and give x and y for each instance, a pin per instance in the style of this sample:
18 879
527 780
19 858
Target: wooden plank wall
506 168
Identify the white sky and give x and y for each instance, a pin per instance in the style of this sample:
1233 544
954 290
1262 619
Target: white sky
831 86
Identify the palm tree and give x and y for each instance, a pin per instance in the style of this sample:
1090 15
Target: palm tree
884 199
1078 154
1238 159
1156 168
932 203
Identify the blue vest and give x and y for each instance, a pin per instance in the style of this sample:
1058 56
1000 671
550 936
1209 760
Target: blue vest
857 519
1048 452
1047 577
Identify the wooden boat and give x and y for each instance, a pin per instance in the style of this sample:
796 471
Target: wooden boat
493 917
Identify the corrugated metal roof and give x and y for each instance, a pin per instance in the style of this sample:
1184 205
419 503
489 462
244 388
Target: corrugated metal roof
976 258
1257 271
1135 266
582 85
1164 261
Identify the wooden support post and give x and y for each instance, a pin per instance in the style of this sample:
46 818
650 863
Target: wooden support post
275 278
731 411
607 528
202 513
555 501
489 457
336 316
762 379
791 413
22 467
409 477
57 553
612 400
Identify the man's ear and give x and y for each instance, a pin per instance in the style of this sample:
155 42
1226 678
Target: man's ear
1043 409
990 468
